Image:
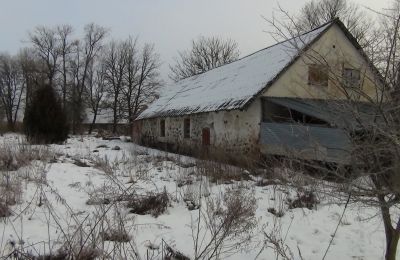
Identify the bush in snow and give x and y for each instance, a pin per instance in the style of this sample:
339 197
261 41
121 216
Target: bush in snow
116 235
4 210
154 204
45 121
305 199
224 224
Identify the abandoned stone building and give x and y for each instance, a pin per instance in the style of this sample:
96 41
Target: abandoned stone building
272 101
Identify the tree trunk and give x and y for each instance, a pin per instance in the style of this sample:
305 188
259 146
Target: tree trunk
10 125
391 245
114 124
93 122
115 107
392 234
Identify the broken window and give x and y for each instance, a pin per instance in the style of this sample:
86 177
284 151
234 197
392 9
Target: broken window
280 114
186 128
351 77
318 75
162 127
275 113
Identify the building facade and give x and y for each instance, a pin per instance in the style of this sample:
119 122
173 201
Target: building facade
289 91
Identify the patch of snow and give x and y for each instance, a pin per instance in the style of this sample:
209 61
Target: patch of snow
69 187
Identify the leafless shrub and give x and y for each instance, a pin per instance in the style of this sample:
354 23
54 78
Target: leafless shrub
4 210
184 181
173 254
15 156
277 213
80 163
104 165
116 235
10 188
228 224
163 158
266 182
191 195
98 201
87 253
137 152
275 241
185 165
154 204
304 199
218 172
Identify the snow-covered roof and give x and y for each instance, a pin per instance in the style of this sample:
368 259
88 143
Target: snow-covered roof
233 85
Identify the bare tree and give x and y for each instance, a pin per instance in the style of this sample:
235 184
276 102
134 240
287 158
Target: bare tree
46 45
12 86
204 55
315 13
372 178
2 116
85 53
131 76
95 91
33 72
388 59
115 63
64 33
141 78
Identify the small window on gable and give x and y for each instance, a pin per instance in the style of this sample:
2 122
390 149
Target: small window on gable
186 128
351 78
318 75
162 127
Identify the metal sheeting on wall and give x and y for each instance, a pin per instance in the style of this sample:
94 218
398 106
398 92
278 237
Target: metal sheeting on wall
305 142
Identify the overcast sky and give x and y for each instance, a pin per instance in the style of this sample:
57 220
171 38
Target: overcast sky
169 24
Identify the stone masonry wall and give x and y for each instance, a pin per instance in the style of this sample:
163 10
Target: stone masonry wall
233 132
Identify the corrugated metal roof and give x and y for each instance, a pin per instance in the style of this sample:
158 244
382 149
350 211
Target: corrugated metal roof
233 85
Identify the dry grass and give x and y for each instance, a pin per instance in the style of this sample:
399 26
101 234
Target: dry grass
116 235
103 164
13 157
4 210
276 213
154 204
80 163
304 199
221 173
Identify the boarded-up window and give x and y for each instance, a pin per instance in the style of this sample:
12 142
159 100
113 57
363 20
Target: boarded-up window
162 127
318 75
186 128
351 78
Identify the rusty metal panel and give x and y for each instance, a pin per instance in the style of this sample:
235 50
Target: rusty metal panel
306 142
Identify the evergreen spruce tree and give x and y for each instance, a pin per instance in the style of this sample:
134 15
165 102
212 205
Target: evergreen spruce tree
45 121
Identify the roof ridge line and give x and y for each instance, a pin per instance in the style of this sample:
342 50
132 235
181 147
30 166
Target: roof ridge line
263 49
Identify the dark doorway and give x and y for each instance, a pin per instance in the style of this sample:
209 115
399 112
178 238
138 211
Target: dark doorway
206 136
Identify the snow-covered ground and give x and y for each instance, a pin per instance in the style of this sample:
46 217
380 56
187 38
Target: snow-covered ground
53 211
